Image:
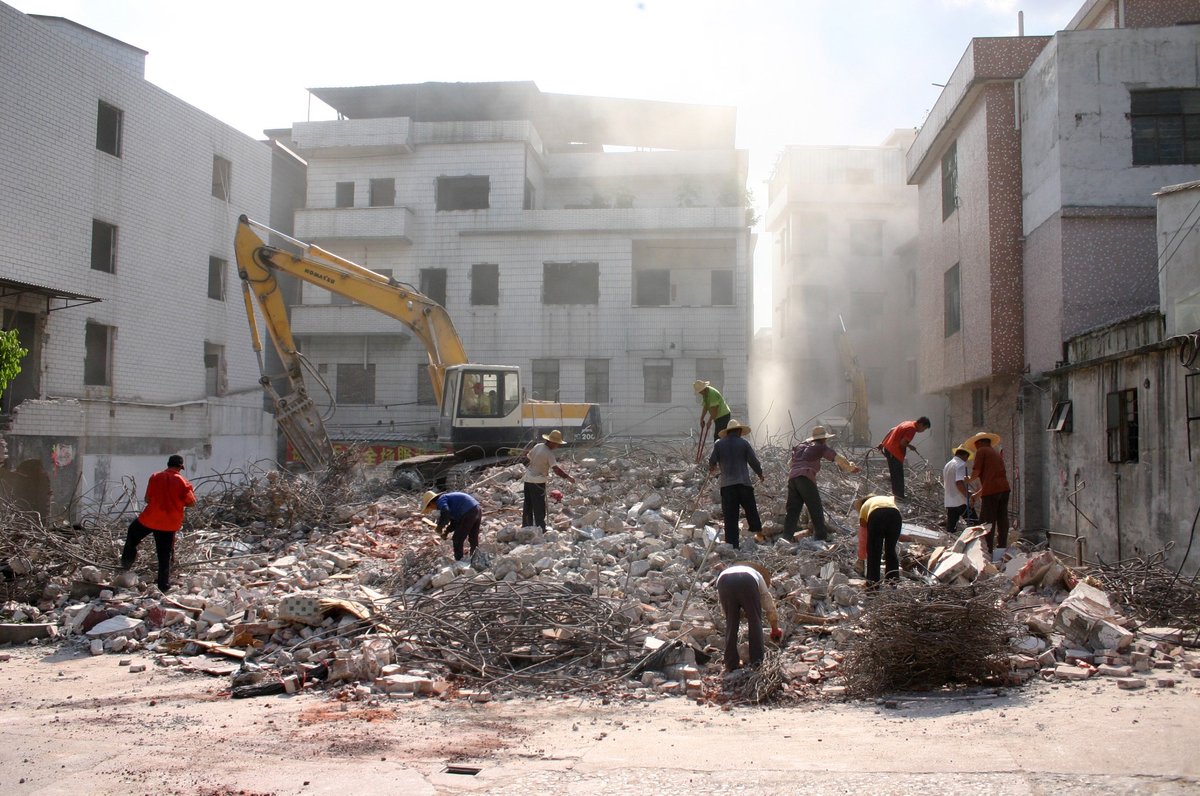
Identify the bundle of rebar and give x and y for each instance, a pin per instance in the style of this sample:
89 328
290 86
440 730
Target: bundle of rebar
1147 590
916 638
526 636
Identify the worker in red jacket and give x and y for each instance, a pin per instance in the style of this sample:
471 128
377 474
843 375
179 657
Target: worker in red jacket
167 494
897 443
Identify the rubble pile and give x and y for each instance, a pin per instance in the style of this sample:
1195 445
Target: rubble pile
925 637
1146 589
285 582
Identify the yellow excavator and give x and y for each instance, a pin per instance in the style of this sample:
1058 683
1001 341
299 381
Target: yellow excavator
483 411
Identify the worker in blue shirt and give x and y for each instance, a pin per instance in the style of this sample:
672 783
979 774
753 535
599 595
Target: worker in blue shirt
458 514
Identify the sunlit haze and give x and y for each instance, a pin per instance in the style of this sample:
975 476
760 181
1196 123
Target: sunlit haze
798 71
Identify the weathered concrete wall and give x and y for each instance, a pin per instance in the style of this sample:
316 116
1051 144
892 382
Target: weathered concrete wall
1179 263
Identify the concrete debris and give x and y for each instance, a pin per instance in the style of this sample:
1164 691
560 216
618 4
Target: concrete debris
290 583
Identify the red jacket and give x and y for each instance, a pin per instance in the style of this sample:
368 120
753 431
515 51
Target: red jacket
166 495
898 438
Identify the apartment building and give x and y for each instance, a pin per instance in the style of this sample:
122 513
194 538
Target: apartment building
1037 171
117 215
842 222
599 244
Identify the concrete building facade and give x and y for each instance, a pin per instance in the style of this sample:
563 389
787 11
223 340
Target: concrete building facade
843 229
1037 171
601 245
117 215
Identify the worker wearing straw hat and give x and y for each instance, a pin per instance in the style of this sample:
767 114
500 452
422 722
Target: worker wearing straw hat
745 588
537 474
736 458
712 404
954 483
458 514
994 489
802 481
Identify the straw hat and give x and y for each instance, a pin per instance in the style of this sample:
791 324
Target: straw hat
699 385
819 432
427 501
954 451
554 436
972 443
733 426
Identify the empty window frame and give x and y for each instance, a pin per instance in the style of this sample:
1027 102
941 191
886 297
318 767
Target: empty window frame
463 193
1165 126
656 379
950 181
1121 425
98 354
530 196
1061 418
222 178
979 397
104 246
722 287
425 393
652 288
109 123
951 301
383 192
595 381
344 194
570 283
711 369
485 285
214 369
433 284
217 269
545 379
866 237
356 383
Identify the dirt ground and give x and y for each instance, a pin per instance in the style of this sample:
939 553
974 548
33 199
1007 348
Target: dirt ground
76 724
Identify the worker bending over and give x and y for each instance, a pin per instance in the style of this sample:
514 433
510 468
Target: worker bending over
458 514
881 521
897 443
745 588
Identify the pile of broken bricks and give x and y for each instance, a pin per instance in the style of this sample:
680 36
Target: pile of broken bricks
294 606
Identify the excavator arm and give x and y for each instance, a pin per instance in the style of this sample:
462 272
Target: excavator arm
257 263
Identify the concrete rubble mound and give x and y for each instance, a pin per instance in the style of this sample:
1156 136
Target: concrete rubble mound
290 583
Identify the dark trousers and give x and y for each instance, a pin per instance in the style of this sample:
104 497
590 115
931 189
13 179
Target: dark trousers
734 498
719 425
896 473
533 511
467 527
164 547
739 594
953 515
803 492
994 509
883 534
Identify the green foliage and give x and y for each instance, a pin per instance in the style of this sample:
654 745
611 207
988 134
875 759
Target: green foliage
11 355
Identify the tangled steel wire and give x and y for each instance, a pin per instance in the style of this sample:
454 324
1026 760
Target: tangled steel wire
923 637
526 635
1149 591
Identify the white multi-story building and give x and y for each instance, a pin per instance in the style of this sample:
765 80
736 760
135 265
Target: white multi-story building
601 245
843 226
118 205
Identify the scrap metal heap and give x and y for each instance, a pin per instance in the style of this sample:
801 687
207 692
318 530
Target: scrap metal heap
290 583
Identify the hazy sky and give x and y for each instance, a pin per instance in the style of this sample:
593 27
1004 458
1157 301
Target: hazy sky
798 71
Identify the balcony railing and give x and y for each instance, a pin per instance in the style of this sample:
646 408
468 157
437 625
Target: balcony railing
355 223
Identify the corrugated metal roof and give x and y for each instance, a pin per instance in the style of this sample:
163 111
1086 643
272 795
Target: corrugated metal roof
16 287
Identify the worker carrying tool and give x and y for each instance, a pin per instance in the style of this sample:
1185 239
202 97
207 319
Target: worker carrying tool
745 588
458 514
802 481
537 473
713 405
897 443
